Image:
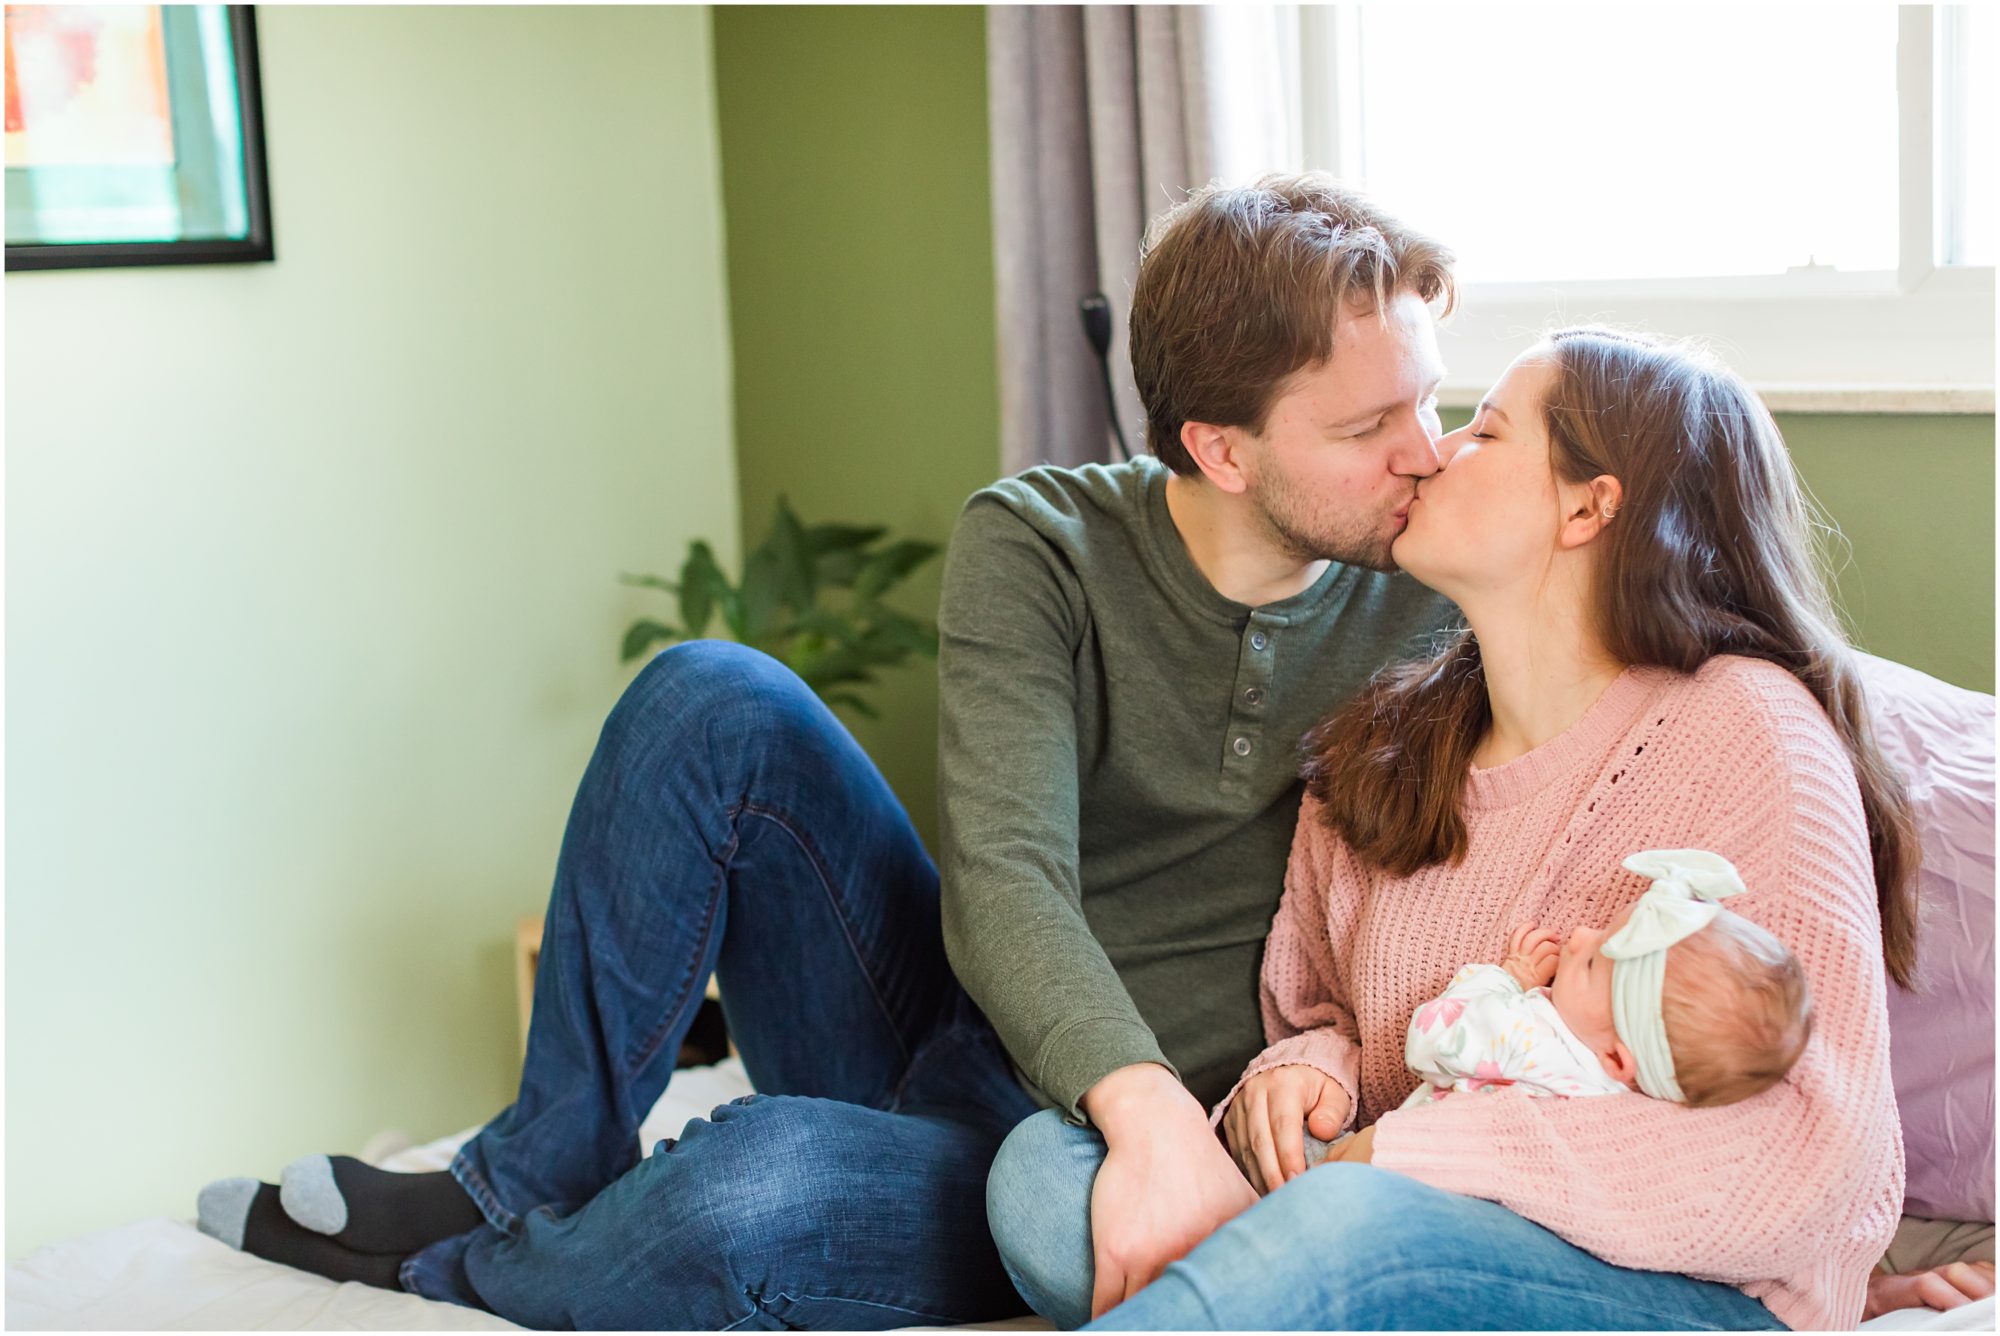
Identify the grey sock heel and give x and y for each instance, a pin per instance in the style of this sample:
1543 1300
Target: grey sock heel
371 1210
223 1208
310 1196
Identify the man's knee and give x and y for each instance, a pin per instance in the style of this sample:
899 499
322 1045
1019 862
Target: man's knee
1038 1207
765 1168
739 695
701 677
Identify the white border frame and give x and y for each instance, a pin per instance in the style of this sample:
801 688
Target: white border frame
1918 339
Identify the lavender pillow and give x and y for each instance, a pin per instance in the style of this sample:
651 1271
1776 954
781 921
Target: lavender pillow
1941 1036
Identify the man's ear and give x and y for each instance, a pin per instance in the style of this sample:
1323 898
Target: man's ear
1216 452
1588 509
1618 1060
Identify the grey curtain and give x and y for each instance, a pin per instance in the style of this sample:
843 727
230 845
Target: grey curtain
1089 106
1102 117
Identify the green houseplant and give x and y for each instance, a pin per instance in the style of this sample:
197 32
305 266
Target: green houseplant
810 596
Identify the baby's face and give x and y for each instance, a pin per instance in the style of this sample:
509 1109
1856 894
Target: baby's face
1582 989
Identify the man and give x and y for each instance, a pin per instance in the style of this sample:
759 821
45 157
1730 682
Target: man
1129 656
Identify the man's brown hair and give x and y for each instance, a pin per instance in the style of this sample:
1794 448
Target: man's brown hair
1239 288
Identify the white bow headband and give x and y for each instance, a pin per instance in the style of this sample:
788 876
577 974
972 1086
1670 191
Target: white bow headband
1686 885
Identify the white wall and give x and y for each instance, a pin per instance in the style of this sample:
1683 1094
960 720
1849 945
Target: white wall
311 602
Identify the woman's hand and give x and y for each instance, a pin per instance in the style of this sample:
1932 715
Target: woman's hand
1357 1149
1941 1287
1532 954
1266 1123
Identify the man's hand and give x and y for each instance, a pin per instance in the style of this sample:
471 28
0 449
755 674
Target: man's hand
1532 954
1166 1184
1941 1287
1266 1123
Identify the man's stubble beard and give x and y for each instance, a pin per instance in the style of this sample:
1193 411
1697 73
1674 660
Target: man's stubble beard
1308 538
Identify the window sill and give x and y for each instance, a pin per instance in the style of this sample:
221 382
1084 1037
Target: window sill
1793 398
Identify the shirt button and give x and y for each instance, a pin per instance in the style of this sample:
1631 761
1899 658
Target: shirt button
1242 746
1253 695
1258 640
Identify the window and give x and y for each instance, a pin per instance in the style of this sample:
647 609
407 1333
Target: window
1628 143
1810 188
1965 149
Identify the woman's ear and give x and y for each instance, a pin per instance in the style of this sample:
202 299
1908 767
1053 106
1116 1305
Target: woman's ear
1588 508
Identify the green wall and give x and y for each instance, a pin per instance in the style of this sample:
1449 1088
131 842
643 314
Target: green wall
1913 498
860 272
312 612
861 293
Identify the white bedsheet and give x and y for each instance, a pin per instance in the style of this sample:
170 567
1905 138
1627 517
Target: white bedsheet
165 1275
1966 1317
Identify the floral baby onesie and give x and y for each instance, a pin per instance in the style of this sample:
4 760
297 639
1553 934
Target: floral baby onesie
1486 1032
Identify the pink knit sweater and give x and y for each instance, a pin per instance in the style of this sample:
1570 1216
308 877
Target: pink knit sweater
1791 1195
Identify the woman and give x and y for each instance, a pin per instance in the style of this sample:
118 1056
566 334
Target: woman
1652 661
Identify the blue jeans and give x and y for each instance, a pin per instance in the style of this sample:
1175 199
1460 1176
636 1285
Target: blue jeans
1345 1247
728 822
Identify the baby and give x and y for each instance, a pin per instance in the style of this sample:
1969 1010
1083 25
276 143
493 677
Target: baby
1693 1003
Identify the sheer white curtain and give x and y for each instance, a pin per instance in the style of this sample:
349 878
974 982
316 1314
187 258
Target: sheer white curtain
1102 117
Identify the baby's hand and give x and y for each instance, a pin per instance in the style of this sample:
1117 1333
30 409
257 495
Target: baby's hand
1531 956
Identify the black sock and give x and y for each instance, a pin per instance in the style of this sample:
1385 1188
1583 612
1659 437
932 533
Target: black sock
271 1234
375 1210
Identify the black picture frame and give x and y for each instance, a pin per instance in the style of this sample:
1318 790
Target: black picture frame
257 246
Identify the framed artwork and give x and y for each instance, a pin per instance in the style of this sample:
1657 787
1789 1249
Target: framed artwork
134 135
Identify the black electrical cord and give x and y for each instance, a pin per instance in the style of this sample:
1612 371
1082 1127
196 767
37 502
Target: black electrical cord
1096 312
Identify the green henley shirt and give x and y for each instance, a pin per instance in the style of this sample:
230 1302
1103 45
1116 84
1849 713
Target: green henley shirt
1118 771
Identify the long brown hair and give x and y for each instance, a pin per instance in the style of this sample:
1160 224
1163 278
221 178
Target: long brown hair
1712 554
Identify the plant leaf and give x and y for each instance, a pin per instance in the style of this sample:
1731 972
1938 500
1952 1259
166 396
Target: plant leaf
852 702
836 665
649 582
883 652
890 565
824 538
819 681
906 633
732 605
794 559
838 569
698 580
640 636
762 594
826 623
839 551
